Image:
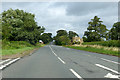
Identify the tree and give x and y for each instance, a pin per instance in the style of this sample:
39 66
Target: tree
62 38
72 34
114 32
96 31
46 37
61 32
18 25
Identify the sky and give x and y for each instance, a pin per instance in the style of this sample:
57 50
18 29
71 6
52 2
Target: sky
70 16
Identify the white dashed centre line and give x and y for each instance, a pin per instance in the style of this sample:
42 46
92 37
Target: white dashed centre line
76 74
107 68
61 60
53 51
57 56
109 61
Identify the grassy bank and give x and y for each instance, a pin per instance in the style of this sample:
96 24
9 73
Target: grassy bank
17 47
96 50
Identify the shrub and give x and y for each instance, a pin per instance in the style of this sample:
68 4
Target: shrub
63 40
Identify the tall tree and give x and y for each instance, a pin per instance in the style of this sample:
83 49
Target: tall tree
46 37
72 34
18 25
114 33
62 38
96 31
61 32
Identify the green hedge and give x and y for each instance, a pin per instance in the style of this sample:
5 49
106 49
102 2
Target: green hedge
110 43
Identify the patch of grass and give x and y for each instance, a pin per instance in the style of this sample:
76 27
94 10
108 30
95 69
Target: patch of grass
14 47
15 51
96 50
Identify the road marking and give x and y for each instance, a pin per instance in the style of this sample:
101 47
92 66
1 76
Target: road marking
107 68
57 56
61 60
3 66
109 61
76 74
109 75
4 61
53 51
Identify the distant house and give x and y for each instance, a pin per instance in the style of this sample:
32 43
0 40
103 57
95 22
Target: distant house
40 41
77 40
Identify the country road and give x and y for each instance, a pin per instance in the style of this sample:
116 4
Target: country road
53 61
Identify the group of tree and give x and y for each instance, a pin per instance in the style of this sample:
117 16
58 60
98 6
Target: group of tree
97 31
18 25
64 38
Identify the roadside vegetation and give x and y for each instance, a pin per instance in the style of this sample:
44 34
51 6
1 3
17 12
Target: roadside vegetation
64 38
97 38
14 47
96 50
111 47
110 43
21 33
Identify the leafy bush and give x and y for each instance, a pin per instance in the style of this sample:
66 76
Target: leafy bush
110 43
63 40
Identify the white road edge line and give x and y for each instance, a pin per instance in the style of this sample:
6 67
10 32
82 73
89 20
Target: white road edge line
61 60
4 61
107 68
3 66
109 61
76 74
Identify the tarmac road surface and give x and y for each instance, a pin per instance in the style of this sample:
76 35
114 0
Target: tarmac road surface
53 61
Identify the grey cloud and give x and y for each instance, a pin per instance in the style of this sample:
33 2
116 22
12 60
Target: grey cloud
68 15
85 8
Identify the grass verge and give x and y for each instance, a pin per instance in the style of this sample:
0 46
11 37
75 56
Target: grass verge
13 49
96 50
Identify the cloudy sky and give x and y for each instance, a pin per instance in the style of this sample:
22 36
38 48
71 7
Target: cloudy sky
72 16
